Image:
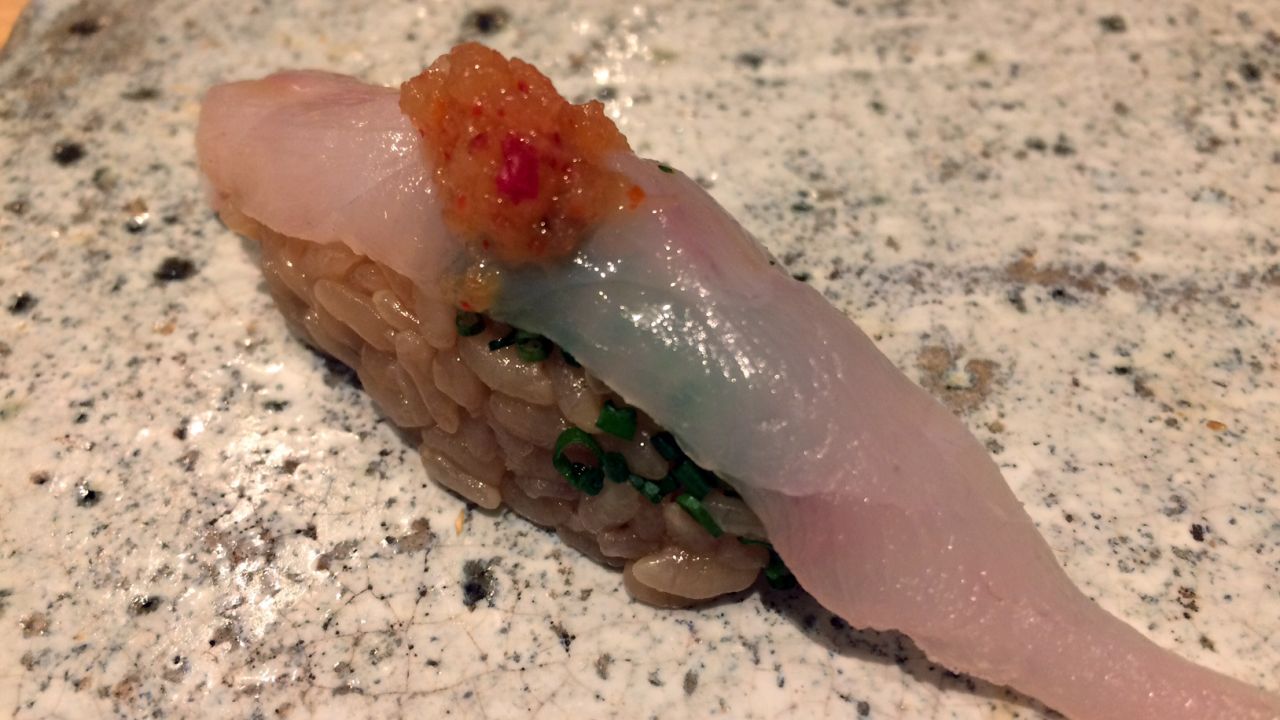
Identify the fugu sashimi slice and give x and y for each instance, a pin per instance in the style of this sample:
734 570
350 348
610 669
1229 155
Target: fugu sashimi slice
885 507
889 512
325 158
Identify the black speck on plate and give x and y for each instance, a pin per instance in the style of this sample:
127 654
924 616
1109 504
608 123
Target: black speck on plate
174 269
85 27
22 303
67 152
486 21
87 496
478 583
1113 24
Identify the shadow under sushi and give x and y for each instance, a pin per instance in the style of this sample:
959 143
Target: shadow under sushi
833 633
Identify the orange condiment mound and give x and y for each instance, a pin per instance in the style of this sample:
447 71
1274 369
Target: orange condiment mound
520 170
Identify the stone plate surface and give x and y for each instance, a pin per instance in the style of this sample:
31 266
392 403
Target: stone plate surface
1060 220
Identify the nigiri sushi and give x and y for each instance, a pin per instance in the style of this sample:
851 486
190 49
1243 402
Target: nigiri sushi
585 336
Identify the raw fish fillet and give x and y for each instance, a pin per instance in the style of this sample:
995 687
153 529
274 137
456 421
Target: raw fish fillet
889 512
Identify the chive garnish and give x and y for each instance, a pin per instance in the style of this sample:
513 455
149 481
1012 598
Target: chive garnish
617 421
665 168
586 478
469 323
615 467
504 341
777 573
695 509
695 481
685 473
665 444
569 360
531 347
667 485
648 488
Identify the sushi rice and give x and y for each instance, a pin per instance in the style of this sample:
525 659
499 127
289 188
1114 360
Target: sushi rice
487 422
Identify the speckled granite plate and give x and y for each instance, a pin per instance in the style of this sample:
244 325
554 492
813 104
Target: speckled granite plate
1062 221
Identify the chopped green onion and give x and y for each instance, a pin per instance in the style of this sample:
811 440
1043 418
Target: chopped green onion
469 323
615 467
696 481
511 338
648 488
665 168
686 473
617 421
531 347
569 360
504 341
699 513
666 446
586 478
667 485
777 573
654 491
